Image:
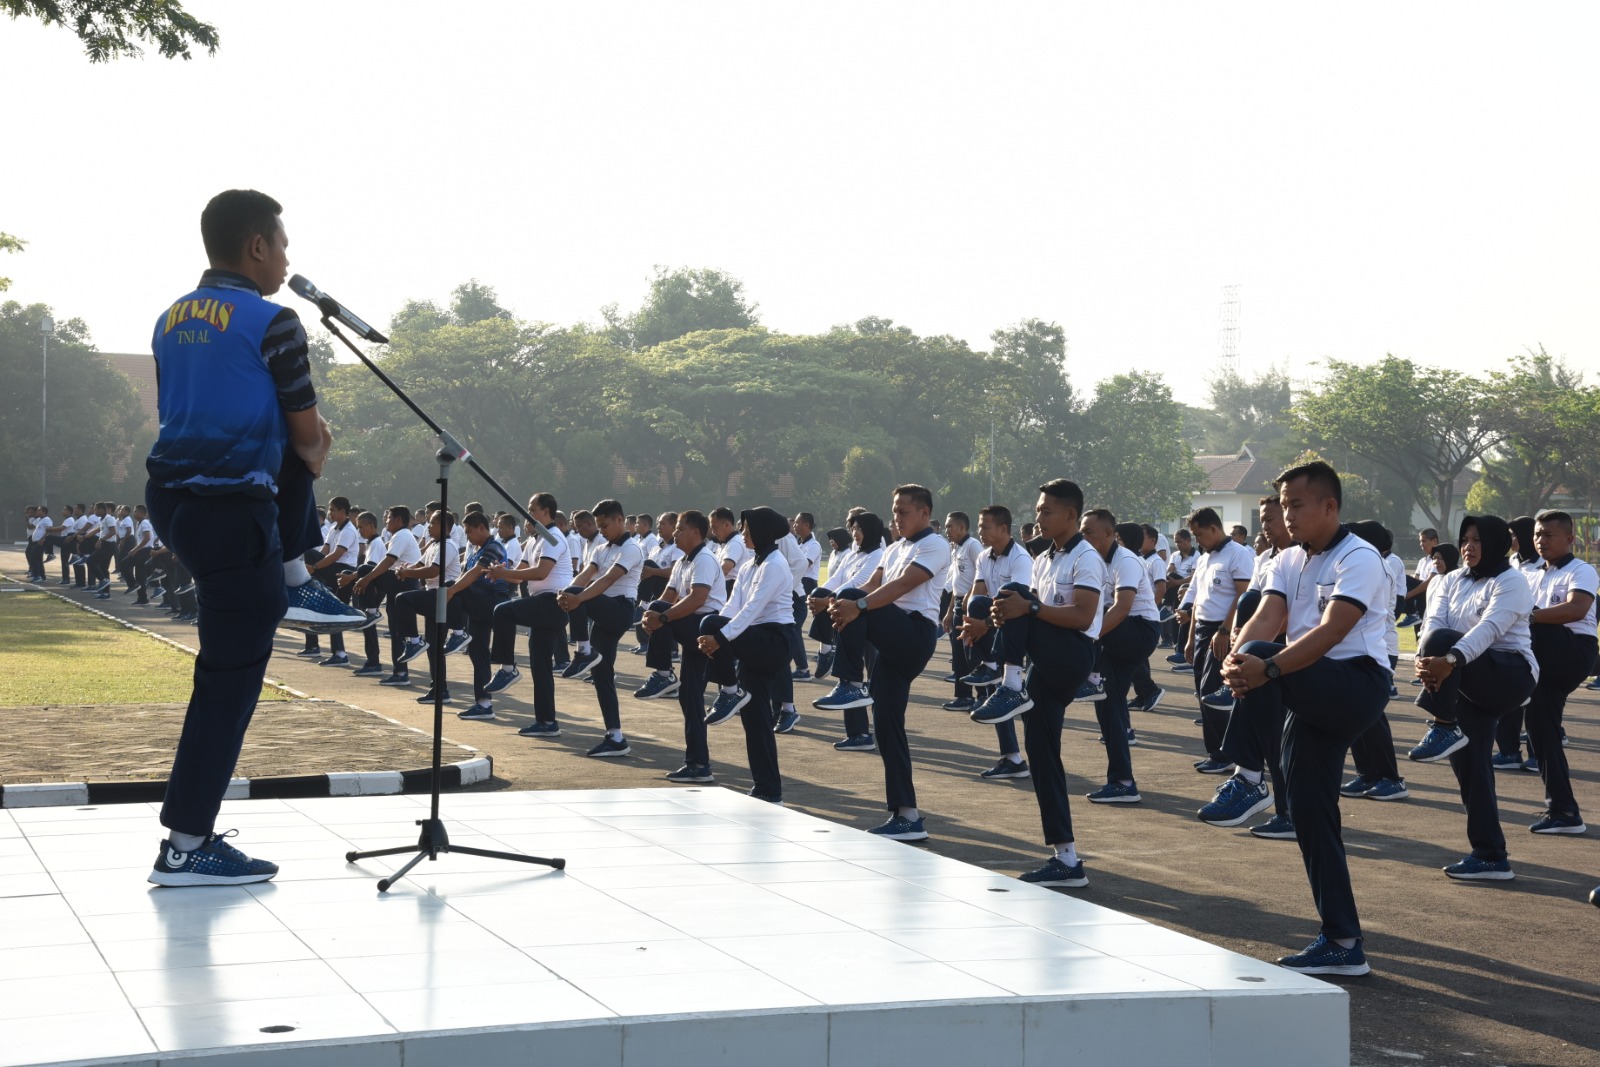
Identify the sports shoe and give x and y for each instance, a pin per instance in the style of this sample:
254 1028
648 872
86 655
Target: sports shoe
801 674
900 828
427 698
1057 873
155 593
561 666
1394 693
1473 869
309 653
214 863
1551 823
1133 738
1003 705
64 581
1277 828
540 729
726 706
1388 789
1183 668
1236 801
691 772
414 647
1327 957
1357 786
184 590
1406 621
581 665
787 721
1438 743
1150 703
1213 766
959 704
1116 793
397 678
845 695
657 685
983 676
369 670
1167 615
102 596
824 664
1089 691
503 678
338 659
857 743
456 642
1177 657
1219 700
607 747
312 605
476 713
1505 761
776 802
1531 765
1005 768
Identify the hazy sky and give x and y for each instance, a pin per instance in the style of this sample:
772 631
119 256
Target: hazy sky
1415 178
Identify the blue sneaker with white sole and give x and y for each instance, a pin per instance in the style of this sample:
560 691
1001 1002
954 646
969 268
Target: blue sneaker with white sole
581 665
414 647
609 748
1219 700
1092 692
1116 793
214 863
845 695
1552 823
824 664
540 729
657 685
1387 789
1506 761
1437 744
1277 828
1236 801
726 706
1003 705
1357 786
1327 957
503 678
984 675
477 713
787 721
312 605
456 642
1059 874
1473 869
857 743
900 828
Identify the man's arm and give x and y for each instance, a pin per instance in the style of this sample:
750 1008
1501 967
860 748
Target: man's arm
1573 609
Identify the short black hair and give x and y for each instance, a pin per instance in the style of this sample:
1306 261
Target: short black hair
961 517
1102 515
997 513
401 512
1065 491
340 502
646 517
1429 532
1182 535
1150 531
696 521
919 494
1375 534
544 502
1319 476
581 515
1131 534
475 518
232 218
366 517
1206 517
724 514
807 518
607 508
1557 518
1274 501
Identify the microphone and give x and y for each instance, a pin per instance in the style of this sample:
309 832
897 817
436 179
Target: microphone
332 309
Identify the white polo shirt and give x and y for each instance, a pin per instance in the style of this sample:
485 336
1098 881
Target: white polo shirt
1013 568
625 555
575 548
125 526
402 545
760 595
1490 613
927 552
703 570
1212 591
1553 584
1058 575
789 548
1397 587
1183 566
536 551
1261 568
964 566
1155 569
1126 570
1349 569
732 550
812 550
41 528
514 550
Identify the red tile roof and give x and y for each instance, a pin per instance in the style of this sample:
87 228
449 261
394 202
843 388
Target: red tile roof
1239 473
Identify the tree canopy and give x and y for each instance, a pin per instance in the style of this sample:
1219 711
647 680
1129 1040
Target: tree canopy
113 29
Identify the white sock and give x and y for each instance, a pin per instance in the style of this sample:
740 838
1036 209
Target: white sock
727 689
583 648
186 842
663 674
485 703
991 665
788 707
909 814
1094 679
295 573
1013 678
1014 757
615 735
824 648
1253 777
1067 854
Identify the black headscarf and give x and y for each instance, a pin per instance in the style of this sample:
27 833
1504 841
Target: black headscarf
1494 540
766 529
1522 527
839 537
1451 556
1375 534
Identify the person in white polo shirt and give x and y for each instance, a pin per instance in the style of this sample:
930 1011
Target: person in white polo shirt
1004 562
1221 574
965 550
543 572
606 588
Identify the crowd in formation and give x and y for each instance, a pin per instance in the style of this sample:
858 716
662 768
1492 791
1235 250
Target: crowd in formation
1291 644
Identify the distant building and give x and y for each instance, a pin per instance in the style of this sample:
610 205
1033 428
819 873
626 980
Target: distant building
1236 482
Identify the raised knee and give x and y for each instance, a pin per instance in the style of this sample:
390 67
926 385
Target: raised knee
1437 642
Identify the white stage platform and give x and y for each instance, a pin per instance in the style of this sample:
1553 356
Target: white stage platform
691 926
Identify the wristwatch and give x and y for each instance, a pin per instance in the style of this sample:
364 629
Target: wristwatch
861 605
1033 607
1454 657
1270 664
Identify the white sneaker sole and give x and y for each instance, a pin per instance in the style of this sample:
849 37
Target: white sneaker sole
1578 829
1460 744
988 720
1255 809
1486 876
1350 969
188 878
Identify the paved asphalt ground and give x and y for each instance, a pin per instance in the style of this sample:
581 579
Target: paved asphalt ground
1493 973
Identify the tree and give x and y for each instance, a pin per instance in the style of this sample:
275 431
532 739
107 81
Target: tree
475 302
1133 458
9 243
1423 425
1533 407
110 29
680 302
1253 412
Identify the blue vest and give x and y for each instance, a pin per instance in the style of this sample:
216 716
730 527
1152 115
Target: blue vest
222 428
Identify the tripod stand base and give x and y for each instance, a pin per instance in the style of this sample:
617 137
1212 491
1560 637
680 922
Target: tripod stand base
433 840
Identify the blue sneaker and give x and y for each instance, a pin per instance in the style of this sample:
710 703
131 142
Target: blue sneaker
1219 700
456 642
477 713
691 773
787 721
1531 765
1003 705
776 802
414 647
1357 786
1057 873
726 706
503 678
1133 739
1387 789
845 695
337 659
801 674
608 748
824 663
581 665
1394 693
1183 668
1213 766
1277 828
1504 761
1004 768
857 743
427 698
397 678
1116 793
374 669
214 863
1406 621
1551 823
1472 869
959 704
311 605
1151 702
1438 743
899 828
983 676
540 729
1326 957
1092 692
1177 657
657 685
1236 801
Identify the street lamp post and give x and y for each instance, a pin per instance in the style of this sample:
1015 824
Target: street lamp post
47 326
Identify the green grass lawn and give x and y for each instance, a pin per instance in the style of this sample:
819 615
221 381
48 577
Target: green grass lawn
57 654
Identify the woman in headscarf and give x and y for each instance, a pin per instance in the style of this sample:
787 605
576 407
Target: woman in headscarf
1508 734
1476 663
750 630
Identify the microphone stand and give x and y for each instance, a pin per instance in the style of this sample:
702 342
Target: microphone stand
434 839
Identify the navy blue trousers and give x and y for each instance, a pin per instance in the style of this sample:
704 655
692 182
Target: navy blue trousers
905 642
